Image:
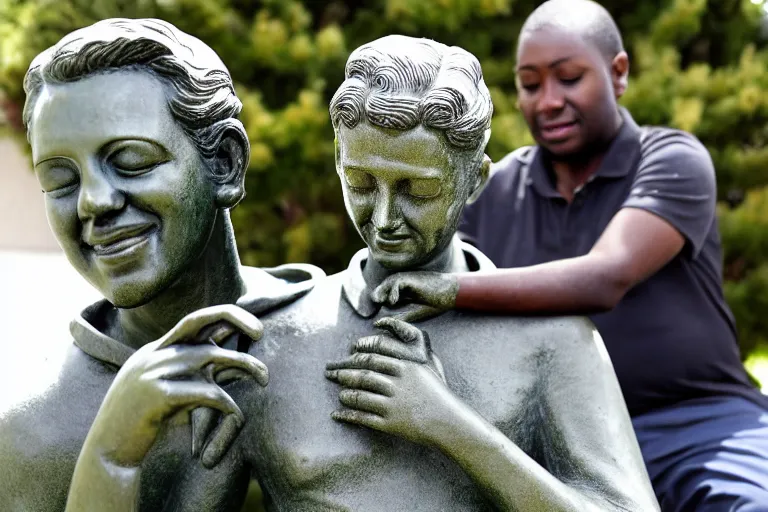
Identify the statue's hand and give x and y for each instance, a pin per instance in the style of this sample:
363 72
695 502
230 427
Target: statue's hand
401 340
180 371
434 289
393 388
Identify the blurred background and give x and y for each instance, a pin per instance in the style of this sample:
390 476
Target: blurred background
699 65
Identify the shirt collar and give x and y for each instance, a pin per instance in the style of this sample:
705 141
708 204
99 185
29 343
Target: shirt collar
358 294
619 160
267 289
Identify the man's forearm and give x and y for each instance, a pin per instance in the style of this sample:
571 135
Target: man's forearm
582 285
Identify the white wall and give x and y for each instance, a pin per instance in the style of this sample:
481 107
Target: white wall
23 225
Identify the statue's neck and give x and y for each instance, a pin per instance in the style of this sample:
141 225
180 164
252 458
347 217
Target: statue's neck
450 259
214 278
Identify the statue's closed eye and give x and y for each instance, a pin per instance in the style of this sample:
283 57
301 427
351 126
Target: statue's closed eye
359 179
137 157
57 177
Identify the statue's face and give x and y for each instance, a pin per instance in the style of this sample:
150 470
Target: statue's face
126 192
402 192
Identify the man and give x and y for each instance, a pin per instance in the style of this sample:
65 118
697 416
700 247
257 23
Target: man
605 218
137 147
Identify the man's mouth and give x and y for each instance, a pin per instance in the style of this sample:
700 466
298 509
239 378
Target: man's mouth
557 131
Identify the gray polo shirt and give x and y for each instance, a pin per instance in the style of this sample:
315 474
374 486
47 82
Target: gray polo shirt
672 337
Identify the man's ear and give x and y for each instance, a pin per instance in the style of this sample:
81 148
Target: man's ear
482 179
620 74
229 166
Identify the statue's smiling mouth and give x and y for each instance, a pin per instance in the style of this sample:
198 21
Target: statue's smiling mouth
119 241
391 241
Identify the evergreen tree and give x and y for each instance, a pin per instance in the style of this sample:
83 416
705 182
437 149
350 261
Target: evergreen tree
698 65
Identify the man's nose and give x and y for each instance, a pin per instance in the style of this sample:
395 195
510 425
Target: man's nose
98 196
551 99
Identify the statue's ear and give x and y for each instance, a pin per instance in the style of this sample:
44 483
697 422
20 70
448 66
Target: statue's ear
337 154
229 165
481 180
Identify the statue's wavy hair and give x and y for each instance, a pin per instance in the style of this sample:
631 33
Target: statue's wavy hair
399 82
201 93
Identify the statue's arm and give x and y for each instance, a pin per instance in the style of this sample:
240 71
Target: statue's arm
176 373
591 443
409 399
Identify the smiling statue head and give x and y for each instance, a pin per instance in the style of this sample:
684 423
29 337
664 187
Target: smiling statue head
138 151
412 120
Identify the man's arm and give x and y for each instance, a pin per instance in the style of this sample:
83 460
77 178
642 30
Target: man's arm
671 204
635 245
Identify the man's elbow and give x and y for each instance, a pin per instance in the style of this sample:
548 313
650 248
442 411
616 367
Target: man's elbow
612 289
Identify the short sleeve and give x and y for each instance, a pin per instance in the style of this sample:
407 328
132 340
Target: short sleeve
676 181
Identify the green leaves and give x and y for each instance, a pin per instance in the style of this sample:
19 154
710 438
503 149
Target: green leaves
697 65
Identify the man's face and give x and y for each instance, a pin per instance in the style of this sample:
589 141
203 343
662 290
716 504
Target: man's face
401 191
126 192
566 91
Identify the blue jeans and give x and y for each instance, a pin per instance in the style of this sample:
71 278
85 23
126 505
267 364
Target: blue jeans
708 455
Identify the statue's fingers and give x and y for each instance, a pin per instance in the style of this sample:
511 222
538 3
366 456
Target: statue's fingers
366 419
419 314
363 401
221 440
367 380
202 421
380 294
376 362
400 329
190 326
189 360
390 347
190 394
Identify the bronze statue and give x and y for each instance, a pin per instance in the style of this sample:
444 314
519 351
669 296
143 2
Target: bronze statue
137 147
366 411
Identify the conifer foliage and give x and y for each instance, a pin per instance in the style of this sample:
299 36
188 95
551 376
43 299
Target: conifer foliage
696 64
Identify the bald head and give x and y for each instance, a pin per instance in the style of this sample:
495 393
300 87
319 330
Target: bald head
585 18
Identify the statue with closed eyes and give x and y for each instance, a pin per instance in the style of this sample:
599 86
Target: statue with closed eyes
371 409
363 408
140 155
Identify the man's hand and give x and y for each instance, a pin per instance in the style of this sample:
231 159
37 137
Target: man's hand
434 289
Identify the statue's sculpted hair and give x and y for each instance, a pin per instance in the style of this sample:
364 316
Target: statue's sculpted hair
399 82
201 93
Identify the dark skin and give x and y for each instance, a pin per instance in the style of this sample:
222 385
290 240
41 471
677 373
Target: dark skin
568 92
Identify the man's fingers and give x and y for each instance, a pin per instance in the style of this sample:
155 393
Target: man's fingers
362 379
376 362
365 419
202 420
363 401
221 440
190 327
